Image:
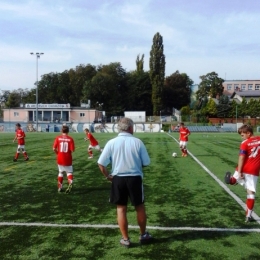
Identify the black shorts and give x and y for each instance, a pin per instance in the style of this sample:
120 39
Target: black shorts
124 187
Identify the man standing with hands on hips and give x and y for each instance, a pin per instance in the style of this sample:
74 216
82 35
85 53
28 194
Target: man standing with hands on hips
127 155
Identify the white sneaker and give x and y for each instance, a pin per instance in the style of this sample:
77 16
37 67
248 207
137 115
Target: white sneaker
90 157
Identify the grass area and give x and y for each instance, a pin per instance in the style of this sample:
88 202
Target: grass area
179 194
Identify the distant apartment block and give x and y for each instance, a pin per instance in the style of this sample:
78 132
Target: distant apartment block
231 86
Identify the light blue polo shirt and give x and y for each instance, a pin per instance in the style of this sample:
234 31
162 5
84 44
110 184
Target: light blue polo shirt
127 154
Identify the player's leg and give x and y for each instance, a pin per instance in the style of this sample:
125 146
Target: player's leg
250 202
24 153
181 148
90 153
17 153
97 147
185 150
60 181
69 171
250 185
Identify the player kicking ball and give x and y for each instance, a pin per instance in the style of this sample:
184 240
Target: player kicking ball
184 133
93 143
247 170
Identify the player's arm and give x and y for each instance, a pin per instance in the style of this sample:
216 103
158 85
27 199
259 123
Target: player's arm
188 133
105 172
15 138
55 147
241 161
55 150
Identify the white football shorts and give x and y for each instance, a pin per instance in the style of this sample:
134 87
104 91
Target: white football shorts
183 143
20 147
67 169
97 147
249 182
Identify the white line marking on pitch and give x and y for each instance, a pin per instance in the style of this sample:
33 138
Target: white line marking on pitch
233 195
130 226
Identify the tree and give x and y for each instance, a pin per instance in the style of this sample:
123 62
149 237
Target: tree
139 92
253 108
243 108
108 86
211 108
14 99
176 91
210 85
157 71
140 64
223 106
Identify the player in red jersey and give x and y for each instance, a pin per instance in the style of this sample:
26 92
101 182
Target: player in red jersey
184 133
19 136
247 170
64 146
93 143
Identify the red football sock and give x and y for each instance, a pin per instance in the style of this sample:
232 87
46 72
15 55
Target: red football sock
25 154
250 202
60 181
70 178
17 155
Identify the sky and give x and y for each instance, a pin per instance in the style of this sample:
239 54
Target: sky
199 36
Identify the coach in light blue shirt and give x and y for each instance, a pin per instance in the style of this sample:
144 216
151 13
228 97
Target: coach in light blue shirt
128 155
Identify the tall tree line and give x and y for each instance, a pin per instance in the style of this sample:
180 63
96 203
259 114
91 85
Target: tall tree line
112 86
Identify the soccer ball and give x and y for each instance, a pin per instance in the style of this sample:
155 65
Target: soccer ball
174 155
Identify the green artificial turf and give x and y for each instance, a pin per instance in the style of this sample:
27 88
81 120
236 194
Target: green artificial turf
179 193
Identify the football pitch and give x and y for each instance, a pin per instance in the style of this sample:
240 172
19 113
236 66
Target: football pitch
191 213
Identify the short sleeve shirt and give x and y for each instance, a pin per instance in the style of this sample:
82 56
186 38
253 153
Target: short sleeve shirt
20 134
92 139
127 154
183 132
250 148
65 146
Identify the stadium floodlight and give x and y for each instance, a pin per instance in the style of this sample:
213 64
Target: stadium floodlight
38 55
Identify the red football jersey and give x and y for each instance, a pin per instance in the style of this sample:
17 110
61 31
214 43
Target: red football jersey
183 132
92 139
64 144
20 135
250 148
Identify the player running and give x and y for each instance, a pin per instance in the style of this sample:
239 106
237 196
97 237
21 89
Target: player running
184 133
19 136
247 170
64 147
93 143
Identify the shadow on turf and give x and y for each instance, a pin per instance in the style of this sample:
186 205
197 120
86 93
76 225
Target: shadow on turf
79 191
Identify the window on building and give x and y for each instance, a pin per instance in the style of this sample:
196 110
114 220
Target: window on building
236 87
16 113
257 87
81 114
229 86
250 86
243 86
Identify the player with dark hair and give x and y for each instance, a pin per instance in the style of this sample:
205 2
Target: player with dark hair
64 146
127 155
184 133
93 143
247 170
19 136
